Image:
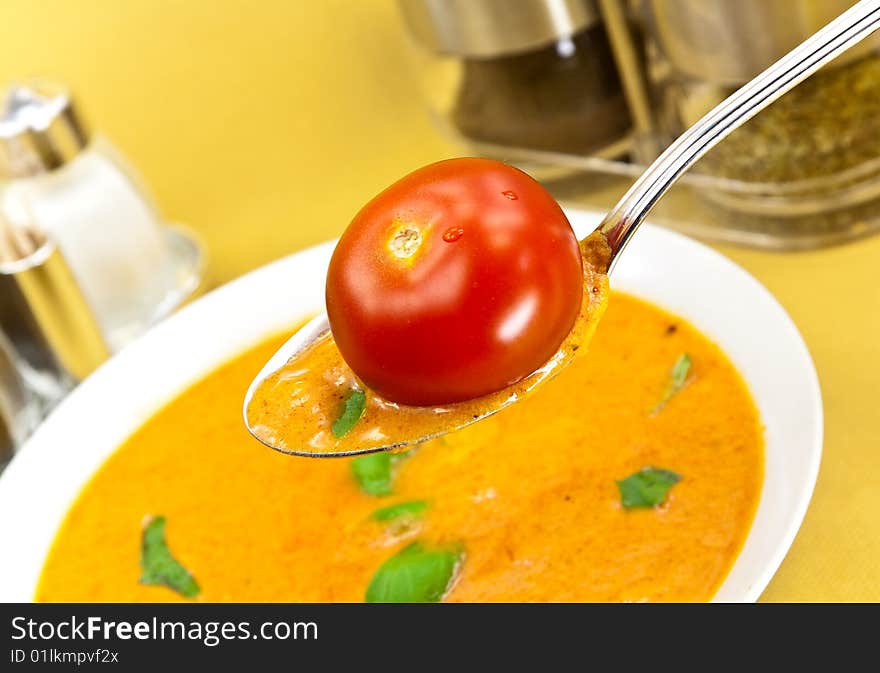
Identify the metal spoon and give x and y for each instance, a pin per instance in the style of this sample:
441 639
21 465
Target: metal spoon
621 223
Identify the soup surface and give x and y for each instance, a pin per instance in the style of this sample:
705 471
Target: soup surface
530 495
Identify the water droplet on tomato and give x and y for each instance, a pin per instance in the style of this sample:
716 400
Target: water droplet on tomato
510 195
453 234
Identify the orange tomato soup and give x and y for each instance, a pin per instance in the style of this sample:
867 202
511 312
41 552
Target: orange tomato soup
530 494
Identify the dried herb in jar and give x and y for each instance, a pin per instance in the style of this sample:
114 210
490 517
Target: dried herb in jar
828 124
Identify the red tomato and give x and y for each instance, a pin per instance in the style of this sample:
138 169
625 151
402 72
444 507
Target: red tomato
456 281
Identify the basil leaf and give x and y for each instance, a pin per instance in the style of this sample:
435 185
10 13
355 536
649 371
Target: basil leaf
416 574
678 379
351 413
159 566
373 473
647 487
409 509
680 370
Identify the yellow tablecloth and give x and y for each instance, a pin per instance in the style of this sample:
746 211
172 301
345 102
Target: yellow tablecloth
265 125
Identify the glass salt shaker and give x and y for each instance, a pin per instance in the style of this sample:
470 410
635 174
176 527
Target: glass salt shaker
132 269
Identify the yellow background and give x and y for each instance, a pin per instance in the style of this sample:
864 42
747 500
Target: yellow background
264 125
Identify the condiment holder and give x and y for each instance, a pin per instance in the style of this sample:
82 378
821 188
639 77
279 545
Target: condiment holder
804 173
86 262
132 269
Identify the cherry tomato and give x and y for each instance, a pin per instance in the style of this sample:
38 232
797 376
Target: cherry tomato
461 278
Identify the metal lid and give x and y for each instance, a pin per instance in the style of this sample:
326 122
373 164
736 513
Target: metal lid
40 129
728 42
487 28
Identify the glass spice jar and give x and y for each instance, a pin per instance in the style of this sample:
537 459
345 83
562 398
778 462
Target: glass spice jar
511 78
805 171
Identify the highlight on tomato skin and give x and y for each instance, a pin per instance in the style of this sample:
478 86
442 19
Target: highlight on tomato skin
456 281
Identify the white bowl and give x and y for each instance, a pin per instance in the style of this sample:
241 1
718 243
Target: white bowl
668 269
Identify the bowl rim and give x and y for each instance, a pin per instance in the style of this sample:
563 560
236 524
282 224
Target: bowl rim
45 478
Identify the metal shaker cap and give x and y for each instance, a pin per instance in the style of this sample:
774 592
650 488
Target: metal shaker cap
488 28
40 129
728 42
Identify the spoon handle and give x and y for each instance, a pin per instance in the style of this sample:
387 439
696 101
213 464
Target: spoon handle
849 28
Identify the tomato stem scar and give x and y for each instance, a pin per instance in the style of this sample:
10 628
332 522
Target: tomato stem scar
405 242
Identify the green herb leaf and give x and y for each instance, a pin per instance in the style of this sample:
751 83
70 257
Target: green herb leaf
647 487
678 378
351 413
373 473
159 566
416 574
409 509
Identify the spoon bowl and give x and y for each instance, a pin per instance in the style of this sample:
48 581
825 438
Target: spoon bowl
320 328
288 376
